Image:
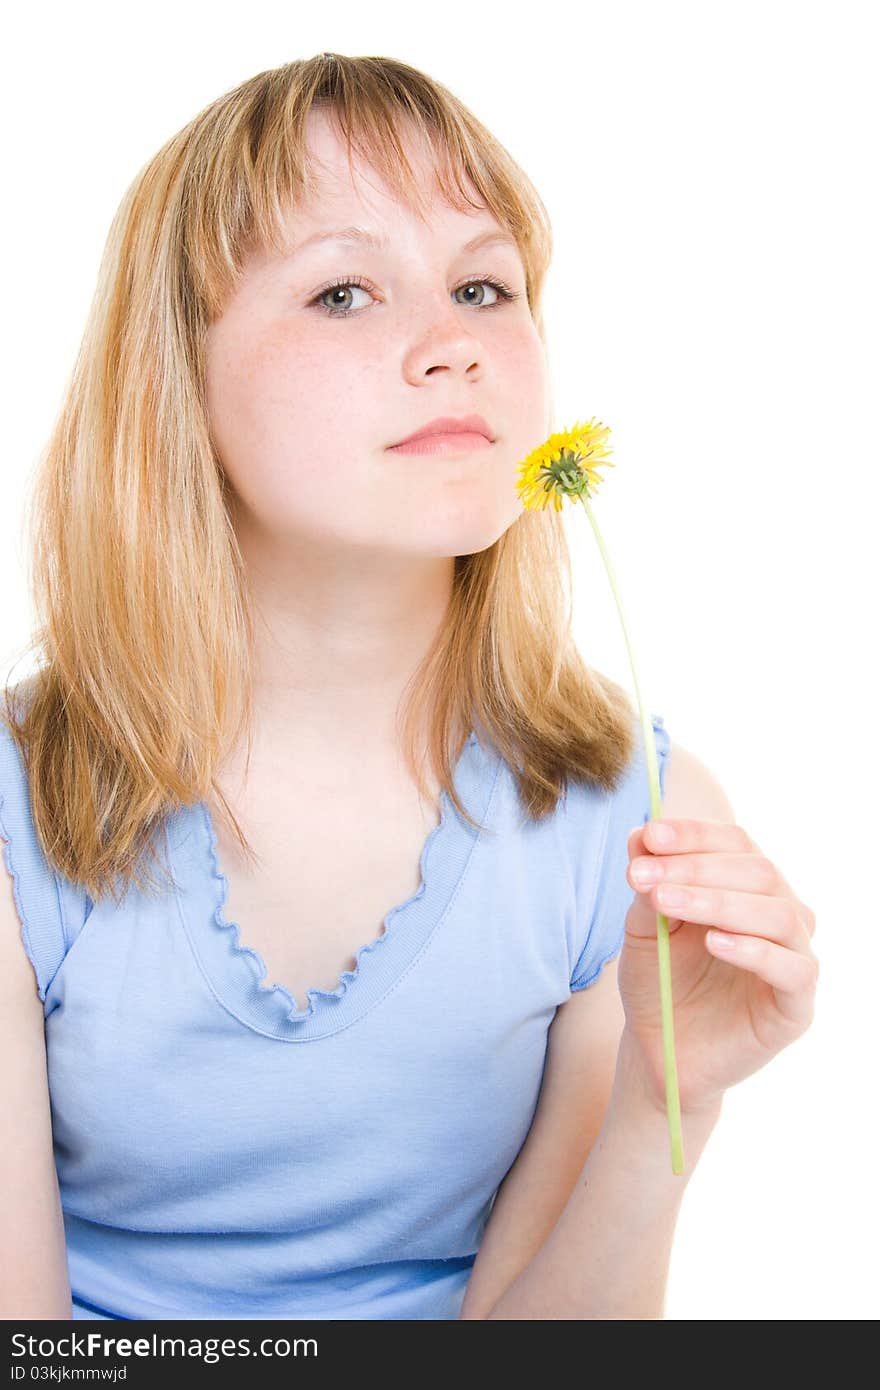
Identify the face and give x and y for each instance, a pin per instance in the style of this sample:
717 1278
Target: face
305 403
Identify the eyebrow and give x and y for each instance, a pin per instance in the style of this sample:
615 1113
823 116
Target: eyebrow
360 236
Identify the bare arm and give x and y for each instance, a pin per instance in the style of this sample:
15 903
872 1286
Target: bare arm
576 1087
608 1255
34 1280
591 1199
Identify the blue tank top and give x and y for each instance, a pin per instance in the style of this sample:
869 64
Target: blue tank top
222 1153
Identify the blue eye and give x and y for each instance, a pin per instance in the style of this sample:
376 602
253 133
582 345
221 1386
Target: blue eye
505 293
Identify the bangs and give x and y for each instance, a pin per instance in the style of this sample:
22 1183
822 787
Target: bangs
247 190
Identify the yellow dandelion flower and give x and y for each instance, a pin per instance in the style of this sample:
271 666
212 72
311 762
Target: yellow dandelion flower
565 465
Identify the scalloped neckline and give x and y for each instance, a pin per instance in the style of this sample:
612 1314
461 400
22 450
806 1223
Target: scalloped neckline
237 972
226 923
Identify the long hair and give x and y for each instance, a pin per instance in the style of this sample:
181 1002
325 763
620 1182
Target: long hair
145 624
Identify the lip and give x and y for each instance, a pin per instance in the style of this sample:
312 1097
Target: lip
446 425
458 443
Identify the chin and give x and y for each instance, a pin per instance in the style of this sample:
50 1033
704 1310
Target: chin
464 538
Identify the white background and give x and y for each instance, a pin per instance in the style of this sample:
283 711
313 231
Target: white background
711 174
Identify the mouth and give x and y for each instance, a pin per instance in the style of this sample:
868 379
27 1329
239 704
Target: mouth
467 428
461 442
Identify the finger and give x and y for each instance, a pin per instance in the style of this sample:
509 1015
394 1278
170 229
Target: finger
761 876
695 837
689 837
750 873
754 914
791 975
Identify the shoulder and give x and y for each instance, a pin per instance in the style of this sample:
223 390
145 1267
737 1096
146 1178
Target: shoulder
588 1024
692 790
591 1018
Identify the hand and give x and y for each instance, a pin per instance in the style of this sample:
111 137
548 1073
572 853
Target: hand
733 1010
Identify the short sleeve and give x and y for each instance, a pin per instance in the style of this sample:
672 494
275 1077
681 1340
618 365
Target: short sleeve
629 806
49 909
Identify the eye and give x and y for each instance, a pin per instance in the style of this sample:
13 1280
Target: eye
504 292
338 311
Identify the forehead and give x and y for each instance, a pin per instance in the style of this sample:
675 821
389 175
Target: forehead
343 190
347 185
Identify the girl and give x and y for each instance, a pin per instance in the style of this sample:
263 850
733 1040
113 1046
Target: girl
360 1048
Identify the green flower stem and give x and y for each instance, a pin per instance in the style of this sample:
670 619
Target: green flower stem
673 1105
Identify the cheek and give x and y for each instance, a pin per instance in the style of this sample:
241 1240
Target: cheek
274 413
522 368
259 386
526 420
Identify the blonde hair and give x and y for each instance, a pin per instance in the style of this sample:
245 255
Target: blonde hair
145 636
